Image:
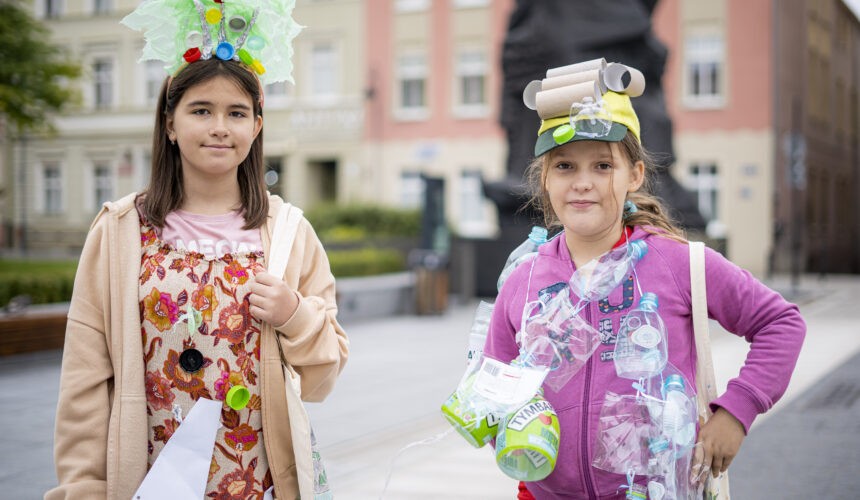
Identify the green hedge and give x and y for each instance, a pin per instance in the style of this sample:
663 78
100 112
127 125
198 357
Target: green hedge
365 262
45 282
48 282
374 221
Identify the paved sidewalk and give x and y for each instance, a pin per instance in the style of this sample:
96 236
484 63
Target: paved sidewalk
401 369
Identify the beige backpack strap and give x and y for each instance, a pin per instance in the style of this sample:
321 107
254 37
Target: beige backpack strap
706 389
283 236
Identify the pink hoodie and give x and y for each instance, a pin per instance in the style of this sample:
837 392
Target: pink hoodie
741 304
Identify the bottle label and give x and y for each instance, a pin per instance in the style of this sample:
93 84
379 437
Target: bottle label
646 336
507 384
536 409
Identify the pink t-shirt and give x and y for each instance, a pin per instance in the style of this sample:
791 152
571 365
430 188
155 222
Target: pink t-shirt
212 235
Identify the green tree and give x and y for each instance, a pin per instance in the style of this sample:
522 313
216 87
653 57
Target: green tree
34 73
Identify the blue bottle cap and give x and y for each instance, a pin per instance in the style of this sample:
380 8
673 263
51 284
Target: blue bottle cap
673 382
225 51
639 248
649 301
657 445
538 234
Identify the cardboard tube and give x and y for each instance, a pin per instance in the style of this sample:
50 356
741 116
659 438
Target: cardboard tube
530 92
556 102
624 79
576 68
570 79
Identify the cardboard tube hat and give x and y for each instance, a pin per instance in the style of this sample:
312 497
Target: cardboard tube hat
585 101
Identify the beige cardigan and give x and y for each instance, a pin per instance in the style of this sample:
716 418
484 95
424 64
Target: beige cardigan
100 442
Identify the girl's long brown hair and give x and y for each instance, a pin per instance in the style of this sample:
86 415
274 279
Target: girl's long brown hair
165 192
651 214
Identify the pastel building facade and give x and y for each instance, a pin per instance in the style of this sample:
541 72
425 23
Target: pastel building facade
763 97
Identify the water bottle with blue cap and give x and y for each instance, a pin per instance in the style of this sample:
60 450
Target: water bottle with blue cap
523 252
641 348
596 280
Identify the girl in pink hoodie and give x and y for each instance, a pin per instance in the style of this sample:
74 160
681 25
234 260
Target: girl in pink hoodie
594 185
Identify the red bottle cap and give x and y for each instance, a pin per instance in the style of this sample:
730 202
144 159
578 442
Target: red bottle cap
191 55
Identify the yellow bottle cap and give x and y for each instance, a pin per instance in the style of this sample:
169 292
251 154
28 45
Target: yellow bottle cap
213 16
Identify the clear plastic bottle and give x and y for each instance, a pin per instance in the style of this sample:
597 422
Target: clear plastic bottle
679 415
478 333
536 238
641 349
596 280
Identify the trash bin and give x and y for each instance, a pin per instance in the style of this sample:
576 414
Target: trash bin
431 281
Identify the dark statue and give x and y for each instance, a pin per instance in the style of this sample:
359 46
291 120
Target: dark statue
549 33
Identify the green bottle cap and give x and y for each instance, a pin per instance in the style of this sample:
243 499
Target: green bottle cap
563 134
238 397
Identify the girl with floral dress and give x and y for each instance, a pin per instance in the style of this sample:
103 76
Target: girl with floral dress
172 304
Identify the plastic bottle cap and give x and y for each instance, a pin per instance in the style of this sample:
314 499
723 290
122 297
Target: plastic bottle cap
649 301
213 16
674 381
563 134
255 42
639 247
246 57
193 39
538 234
191 55
238 397
658 446
258 67
237 23
225 51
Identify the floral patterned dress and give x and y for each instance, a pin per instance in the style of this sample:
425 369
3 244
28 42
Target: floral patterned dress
173 284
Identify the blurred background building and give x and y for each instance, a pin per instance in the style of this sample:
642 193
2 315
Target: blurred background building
391 93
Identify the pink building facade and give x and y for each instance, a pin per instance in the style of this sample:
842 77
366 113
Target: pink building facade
763 98
433 93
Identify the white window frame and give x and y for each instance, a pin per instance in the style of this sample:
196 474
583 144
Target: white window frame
152 78
470 4
43 185
90 94
108 7
142 160
705 184
704 54
108 183
41 10
411 67
278 95
411 189
403 6
316 90
471 64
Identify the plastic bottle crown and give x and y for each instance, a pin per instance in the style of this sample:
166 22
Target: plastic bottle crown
649 301
538 235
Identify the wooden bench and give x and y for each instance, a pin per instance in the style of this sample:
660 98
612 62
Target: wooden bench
30 332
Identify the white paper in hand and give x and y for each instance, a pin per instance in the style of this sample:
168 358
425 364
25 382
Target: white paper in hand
182 468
